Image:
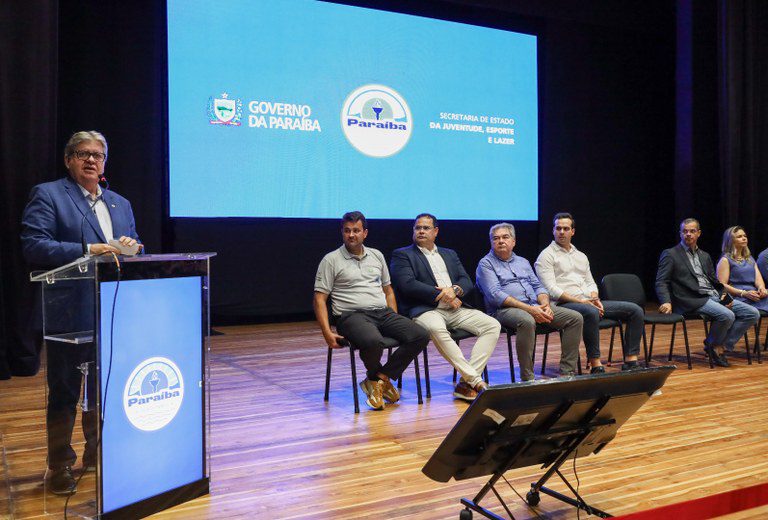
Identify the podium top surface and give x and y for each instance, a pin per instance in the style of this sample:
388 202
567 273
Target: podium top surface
83 268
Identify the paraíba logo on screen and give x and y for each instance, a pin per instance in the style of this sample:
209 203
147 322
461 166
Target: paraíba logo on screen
224 110
376 120
153 394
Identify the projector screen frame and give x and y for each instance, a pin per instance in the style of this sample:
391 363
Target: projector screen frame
483 17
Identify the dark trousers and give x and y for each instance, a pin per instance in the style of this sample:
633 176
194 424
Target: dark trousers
64 382
630 313
366 330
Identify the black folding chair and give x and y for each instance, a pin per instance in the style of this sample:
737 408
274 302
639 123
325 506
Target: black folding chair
389 344
629 288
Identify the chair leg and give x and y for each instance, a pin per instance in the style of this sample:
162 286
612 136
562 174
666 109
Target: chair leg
485 375
610 348
418 379
765 343
544 354
354 378
511 363
426 373
650 344
455 372
400 380
687 346
645 349
706 334
328 375
672 341
622 341
746 344
757 342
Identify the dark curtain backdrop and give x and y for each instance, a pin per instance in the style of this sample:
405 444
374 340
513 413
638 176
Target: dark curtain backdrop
743 112
28 79
630 134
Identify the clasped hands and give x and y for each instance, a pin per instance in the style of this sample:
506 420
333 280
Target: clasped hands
596 302
448 295
542 313
755 295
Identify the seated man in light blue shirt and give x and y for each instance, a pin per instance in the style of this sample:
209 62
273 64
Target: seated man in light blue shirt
515 297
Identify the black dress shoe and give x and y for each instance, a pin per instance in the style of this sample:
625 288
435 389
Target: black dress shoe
61 481
715 358
600 369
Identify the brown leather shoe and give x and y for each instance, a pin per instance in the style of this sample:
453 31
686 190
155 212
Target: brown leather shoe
390 393
464 391
374 391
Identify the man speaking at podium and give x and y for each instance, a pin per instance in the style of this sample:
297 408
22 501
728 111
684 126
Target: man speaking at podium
64 220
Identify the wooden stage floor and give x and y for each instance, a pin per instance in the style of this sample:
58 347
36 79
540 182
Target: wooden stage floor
279 451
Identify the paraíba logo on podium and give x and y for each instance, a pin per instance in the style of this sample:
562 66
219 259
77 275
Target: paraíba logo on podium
153 394
376 120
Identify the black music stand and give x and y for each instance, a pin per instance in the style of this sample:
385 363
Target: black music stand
540 423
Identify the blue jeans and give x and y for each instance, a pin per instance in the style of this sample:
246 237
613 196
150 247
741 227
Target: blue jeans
728 325
629 313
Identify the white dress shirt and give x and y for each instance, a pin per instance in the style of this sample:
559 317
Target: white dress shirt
439 270
101 211
562 271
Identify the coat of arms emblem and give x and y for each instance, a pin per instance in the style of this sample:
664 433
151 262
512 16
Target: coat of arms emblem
224 110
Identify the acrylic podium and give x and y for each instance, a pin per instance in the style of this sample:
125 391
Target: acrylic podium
138 328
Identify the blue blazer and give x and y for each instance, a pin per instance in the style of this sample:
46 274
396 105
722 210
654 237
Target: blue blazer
52 224
414 282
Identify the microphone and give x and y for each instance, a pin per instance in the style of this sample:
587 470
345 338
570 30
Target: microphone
103 179
82 222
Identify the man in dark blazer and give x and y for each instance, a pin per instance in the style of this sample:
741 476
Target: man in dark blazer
64 220
686 282
430 284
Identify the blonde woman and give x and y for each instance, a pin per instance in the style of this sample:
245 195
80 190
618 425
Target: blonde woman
738 271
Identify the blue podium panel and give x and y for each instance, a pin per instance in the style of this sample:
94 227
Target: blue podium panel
151 388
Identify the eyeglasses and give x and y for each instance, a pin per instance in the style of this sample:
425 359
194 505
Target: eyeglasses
496 238
422 228
84 155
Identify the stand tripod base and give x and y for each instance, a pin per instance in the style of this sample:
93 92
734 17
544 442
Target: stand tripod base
533 498
466 514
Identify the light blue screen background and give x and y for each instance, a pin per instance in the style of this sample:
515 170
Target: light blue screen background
159 317
316 53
